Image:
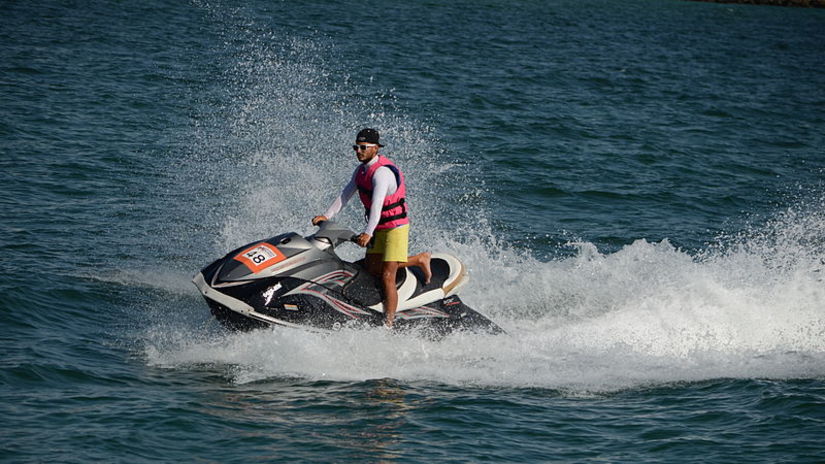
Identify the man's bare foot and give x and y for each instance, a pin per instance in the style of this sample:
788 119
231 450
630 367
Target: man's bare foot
425 267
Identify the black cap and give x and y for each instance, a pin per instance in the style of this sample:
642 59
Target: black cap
369 136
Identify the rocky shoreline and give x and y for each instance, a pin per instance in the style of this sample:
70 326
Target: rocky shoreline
800 3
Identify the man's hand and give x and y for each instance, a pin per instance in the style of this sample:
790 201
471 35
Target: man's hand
363 239
318 219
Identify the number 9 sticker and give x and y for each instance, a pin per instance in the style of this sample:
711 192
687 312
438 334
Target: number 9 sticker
259 257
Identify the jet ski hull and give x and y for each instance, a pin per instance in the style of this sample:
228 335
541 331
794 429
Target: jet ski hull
319 308
305 285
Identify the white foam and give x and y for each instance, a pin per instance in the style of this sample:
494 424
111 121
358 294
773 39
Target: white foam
648 314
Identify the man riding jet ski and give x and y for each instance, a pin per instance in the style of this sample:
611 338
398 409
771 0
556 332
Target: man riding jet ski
294 281
383 193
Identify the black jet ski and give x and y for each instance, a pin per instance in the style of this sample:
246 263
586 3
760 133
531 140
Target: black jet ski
294 281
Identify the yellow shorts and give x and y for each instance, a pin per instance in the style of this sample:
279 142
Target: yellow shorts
392 243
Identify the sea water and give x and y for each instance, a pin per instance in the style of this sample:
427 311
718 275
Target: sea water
635 187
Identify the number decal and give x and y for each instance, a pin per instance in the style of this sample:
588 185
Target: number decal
260 256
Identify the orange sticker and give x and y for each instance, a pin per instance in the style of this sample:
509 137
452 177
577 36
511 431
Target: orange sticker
259 257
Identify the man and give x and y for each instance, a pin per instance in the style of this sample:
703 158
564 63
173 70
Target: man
382 191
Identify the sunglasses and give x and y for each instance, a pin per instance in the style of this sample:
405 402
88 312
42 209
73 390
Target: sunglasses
361 147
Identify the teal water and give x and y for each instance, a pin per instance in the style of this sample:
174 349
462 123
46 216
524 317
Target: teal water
636 188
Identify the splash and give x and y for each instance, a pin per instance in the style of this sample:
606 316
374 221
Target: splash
648 314
277 150
750 305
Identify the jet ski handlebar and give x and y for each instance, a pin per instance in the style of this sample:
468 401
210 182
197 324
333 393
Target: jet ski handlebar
333 233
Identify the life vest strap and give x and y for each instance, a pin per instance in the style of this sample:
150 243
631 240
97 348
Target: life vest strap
394 205
387 219
392 218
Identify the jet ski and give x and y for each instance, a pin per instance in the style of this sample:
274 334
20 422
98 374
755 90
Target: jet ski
300 282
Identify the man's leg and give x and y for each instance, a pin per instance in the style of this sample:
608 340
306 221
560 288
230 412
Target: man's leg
387 255
388 271
422 260
385 272
395 254
374 264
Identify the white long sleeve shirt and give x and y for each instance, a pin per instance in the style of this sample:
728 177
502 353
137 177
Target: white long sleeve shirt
383 184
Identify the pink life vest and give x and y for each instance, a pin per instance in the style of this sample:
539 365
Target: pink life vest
394 212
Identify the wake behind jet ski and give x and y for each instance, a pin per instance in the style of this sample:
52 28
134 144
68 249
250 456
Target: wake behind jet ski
294 281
